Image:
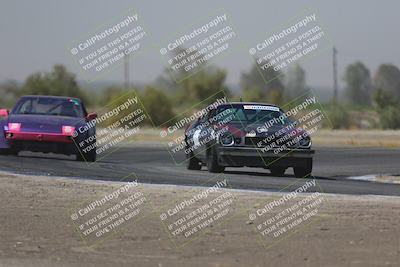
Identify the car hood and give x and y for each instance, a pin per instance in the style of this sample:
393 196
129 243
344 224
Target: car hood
44 123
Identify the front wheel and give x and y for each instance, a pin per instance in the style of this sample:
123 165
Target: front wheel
278 171
305 170
192 163
88 157
212 161
9 151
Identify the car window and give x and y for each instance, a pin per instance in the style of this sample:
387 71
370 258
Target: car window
239 114
49 106
26 106
235 114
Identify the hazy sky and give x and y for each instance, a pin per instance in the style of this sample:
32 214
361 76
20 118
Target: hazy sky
35 34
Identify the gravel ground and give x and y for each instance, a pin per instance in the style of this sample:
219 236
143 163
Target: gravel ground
37 229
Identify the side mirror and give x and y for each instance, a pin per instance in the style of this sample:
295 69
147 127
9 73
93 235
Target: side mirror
3 113
91 116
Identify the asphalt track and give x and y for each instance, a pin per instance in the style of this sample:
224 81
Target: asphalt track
153 164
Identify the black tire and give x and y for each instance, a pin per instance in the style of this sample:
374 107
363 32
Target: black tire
9 151
88 157
212 161
277 171
192 163
304 171
14 152
79 157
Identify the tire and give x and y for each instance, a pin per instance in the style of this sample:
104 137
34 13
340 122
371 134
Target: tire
88 157
14 152
192 163
9 151
277 171
304 171
79 157
212 161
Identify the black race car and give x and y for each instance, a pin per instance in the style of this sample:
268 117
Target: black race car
48 124
248 134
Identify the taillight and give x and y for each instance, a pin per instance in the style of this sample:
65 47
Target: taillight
13 126
67 130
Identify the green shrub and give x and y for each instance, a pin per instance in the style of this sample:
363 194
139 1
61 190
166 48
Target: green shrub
388 108
158 106
390 117
338 117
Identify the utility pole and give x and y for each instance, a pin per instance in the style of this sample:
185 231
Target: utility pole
335 85
126 71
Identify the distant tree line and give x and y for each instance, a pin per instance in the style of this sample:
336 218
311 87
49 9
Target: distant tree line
382 91
165 99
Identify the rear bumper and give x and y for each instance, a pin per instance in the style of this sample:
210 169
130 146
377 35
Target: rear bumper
256 157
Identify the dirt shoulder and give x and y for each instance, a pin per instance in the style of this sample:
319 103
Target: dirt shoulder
323 137
37 229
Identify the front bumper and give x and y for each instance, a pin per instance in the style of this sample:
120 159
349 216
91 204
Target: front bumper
38 137
256 157
41 142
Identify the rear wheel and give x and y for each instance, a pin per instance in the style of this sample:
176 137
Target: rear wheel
305 170
278 171
212 161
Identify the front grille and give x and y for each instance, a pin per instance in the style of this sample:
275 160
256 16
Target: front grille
261 142
257 141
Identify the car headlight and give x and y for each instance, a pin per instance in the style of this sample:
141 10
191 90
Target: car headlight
226 139
68 130
14 126
305 142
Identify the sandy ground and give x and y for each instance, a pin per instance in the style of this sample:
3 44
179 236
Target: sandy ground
358 138
37 229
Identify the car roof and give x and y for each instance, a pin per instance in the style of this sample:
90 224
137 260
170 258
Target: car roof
248 103
49 96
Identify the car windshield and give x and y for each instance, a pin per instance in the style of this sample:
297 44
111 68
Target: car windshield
49 106
251 114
